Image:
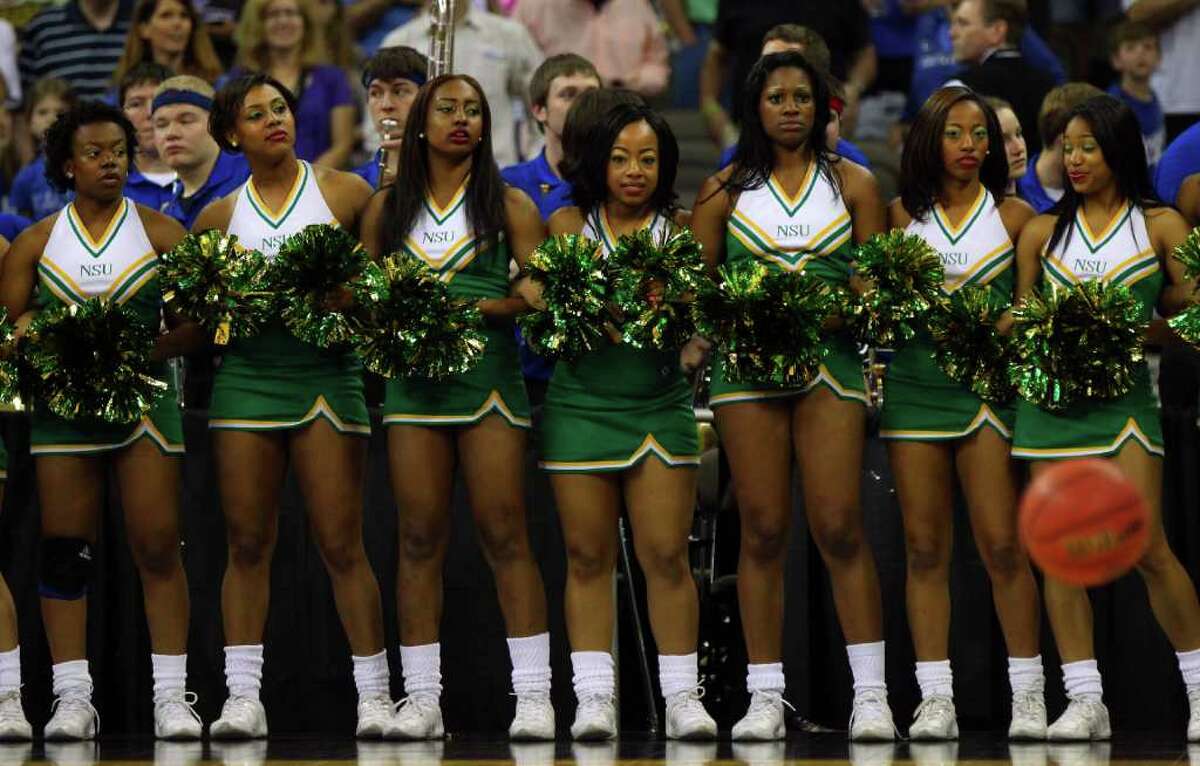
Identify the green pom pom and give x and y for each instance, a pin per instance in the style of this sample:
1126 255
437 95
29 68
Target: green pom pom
653 282
90 361
766 324
1188 253
575 291
10 371
1186 324
210 279
313 278
967 346
906 276
413 328
1077 344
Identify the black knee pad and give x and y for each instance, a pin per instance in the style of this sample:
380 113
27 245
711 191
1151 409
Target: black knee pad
66 568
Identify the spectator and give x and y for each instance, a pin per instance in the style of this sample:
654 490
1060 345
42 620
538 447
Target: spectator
79 42
1178 178
11 225
32 194
149 181
339 43
392 78
168 32
1176 82
691 21
1015 149
1042 185
622 38
283 39
10 160
552 90
985 35
496 51
10 73
737 44
893 33
371 20
203 172
1134 54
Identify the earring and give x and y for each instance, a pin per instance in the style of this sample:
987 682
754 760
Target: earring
70 174
421 136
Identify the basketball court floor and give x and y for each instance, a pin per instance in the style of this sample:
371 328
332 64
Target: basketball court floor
1127 748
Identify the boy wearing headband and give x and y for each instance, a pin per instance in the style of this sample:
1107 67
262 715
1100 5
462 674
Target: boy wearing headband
391 78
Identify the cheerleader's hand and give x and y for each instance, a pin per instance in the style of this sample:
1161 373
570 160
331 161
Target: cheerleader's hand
1004 324
531 291
694 354
860 285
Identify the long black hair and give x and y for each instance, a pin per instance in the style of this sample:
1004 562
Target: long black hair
1116 130
485 188
60 138
589 178
921 165
754 158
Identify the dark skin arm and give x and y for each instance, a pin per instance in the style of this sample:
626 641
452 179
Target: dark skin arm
183 336
1188 199
525 231
1029 255
1016 215
1168 230
710 215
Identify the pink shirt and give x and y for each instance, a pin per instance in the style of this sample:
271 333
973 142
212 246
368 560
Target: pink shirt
624 38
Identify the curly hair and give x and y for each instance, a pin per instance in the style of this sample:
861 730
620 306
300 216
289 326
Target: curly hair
60 138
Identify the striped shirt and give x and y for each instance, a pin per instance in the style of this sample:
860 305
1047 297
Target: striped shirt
61 42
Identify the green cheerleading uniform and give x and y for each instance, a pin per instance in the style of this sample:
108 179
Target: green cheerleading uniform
442 239
618 405
121 266
1121 255
273 381
920 402
808 233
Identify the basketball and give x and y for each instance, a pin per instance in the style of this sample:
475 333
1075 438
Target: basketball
1084 523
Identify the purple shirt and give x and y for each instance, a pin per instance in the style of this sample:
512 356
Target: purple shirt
324 88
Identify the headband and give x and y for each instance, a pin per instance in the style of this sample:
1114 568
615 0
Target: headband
418 78
174 96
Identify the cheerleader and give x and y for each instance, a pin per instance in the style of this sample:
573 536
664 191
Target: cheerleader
952 195
1110 226
619 430
794 206
277 400
102 244
454 213
13 724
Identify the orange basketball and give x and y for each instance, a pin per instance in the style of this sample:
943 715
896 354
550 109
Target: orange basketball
1084 523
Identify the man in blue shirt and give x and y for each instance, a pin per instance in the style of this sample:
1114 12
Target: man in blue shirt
391 78
150 178
1134 55
11 225
1178 178
205 173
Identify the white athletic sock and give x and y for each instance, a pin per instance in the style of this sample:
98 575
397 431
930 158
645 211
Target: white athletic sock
936 679
765 677
10 670
1189 666
594 674
530 657
371 675
170 676
1025 675
866 663
1082 680
678 673
422 667
72 679
243 670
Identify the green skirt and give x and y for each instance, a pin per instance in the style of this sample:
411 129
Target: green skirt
1098 428
920 403
163 425
274 382
494 385
841 373
614 408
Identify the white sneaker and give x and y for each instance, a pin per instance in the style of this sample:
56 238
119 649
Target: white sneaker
533 720
176 719
374 716
934 720
72 719
1028 716
871 718
1193 729
1084 719
687 718
872 753
595 718
241 718
14 726
763 721
417 717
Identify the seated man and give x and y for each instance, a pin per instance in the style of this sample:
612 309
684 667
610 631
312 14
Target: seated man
392 78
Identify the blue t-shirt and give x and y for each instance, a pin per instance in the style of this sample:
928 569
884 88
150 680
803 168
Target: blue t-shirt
229 172
934 64
369 171
145 192
1030 189
12 225
394 17
893 31
1180 160
1150 118
536 179
843 149
32 195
